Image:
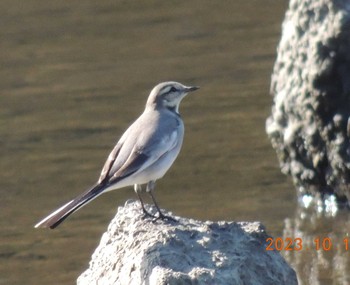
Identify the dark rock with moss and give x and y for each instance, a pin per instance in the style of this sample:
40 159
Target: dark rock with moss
135 250
310 122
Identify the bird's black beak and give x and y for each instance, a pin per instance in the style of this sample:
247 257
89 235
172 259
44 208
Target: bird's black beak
192 88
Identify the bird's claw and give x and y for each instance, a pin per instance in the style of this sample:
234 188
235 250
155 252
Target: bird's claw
147 215
163 218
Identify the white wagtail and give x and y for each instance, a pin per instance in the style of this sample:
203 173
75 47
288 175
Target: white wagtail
142 155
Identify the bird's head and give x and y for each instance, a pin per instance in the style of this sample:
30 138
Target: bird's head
168 95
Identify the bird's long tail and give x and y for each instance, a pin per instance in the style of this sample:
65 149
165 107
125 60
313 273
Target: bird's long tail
58 216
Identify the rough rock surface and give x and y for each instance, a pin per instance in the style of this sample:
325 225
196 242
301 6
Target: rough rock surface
310 122
137 251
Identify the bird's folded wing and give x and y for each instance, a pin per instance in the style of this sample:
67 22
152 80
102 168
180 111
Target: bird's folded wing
109 163
139 159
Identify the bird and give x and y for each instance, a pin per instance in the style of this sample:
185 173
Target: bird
143 154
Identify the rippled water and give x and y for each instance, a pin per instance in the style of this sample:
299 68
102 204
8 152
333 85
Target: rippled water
74 74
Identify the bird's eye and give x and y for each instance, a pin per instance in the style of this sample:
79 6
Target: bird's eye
173 89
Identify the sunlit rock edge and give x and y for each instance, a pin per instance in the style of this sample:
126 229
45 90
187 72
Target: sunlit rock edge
137 251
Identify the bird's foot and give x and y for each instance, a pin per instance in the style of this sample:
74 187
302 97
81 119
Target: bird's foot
163 217
147 214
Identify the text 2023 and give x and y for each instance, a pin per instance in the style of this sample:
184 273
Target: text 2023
287 244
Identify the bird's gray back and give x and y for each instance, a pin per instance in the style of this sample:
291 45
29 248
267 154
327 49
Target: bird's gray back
150 135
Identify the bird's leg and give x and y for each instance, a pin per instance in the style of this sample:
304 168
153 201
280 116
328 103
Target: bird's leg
138 190
149 190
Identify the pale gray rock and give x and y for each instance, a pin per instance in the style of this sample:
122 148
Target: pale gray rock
310 122
137 251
